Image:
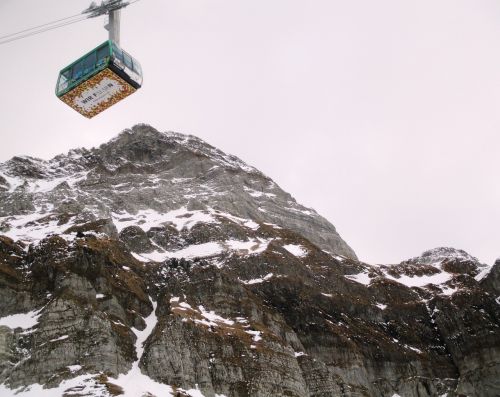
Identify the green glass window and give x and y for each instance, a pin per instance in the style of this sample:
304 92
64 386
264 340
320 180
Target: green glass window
78 70
117 53
63 79
136 67
89 62
127 60
102 54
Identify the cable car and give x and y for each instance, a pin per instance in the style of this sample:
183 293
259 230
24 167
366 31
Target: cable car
99 79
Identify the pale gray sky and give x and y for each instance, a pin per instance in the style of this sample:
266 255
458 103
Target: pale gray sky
382 115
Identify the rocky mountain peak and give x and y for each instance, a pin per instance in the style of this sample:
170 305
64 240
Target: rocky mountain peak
157 265
27 167
446 260
144 173
440 254
144 145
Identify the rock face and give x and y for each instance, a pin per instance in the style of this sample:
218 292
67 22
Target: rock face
143 171
157 265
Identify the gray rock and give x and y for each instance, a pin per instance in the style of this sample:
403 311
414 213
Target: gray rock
143 169
255 295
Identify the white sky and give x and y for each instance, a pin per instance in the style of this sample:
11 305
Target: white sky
382 115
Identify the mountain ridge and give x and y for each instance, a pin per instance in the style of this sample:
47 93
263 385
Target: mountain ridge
156 265
145 151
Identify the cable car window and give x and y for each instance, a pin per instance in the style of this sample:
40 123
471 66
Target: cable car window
138 70
117 53
127 60
102 53
136 67
78 70
63 79
89 63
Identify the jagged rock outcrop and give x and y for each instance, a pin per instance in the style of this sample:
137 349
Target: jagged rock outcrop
143 170
157 264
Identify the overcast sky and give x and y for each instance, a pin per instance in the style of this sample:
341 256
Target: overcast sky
382 115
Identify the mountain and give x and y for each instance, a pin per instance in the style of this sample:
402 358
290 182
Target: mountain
149 176
157 265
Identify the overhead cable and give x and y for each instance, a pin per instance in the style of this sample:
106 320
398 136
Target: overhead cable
31 32
39 26
111 5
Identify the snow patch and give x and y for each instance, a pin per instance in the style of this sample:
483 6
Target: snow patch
298 250
13 182
196 392
212 319
274 226
236 219
33 227
47 185
361 278
256 194
74 368
64 337
180 218
135 383
146 219
208 317
257 335
254 246
185 305
258 280
22 320
421 281
180 180
414 349
85 384
483 273
252 225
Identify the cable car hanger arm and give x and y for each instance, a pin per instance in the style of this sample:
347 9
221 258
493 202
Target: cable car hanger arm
106 7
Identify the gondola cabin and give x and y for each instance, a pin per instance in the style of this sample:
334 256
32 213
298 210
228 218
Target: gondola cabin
99 79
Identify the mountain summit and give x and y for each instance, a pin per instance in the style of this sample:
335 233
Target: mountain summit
149 176
156 265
